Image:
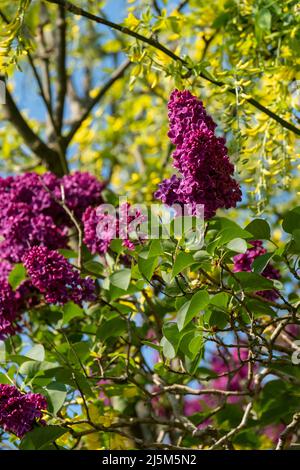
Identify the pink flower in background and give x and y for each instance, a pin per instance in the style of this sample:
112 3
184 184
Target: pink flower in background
232 364
102 394
273 431
199 404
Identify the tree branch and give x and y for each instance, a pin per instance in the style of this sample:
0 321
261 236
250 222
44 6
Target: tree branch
237 429
61 67
157 45
156 7
185 390
49 156
54 160
291 428
114 77
182 4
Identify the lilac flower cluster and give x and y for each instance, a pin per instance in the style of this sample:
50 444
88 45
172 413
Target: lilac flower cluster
21 229
8 310
200 157
25 295
93 219
56 278
20 411
100 227
243 262
31 215
81 190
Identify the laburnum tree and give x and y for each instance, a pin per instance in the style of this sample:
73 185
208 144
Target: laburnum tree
110 340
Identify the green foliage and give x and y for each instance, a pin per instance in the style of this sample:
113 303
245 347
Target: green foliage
13 36
17 276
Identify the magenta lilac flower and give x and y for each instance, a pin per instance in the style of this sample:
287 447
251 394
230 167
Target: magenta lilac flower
81 190
41 192
29 189
5 269
232 368
56 278
20 411
168 191
93 222
8 310
243 262
23 228
27 215
31 213
206 174
26 295
101 227
186 112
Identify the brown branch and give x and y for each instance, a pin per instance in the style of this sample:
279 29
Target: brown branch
54 160
45 53
61 67
291 428
45 98
49 156
234 431
157 45
114 77
156 7
182 5
185 390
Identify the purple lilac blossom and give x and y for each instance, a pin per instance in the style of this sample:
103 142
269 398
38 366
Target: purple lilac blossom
22 228
100 228
93 220
206 174
26 295
29 189
20 411
81 190
30 212
8 310
56 278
